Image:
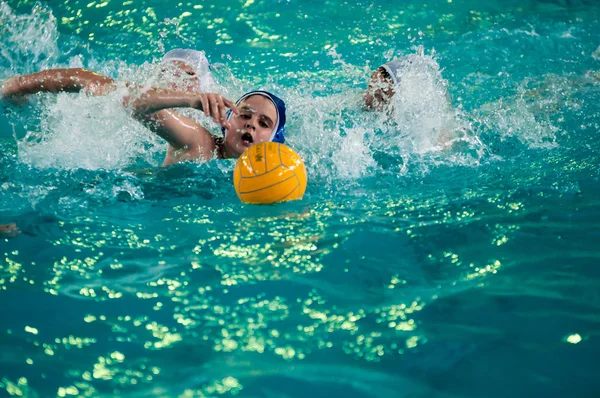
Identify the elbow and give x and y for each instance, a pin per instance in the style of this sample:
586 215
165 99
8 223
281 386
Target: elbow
137 108
140 109
137 104
143 103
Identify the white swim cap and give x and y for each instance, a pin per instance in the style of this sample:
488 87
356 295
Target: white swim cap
393 67
196 60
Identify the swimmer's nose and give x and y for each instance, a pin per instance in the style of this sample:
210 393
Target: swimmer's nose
250 124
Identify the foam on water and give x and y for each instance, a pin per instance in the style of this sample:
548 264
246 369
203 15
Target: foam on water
533 115
28 42
337 138
340 139
90 133
422 110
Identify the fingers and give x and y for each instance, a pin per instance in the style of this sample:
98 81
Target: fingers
231 106
224 103
222 110
219 109
215 106
204 102
9 230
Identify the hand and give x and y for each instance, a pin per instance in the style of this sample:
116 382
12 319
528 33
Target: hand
9 231
215 106
10 91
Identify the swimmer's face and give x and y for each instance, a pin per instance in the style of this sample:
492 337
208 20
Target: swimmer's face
253 125
183 78
380 90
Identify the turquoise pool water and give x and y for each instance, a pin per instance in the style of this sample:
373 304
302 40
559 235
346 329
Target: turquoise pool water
408 270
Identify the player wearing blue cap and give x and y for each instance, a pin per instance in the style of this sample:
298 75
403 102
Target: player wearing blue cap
258 116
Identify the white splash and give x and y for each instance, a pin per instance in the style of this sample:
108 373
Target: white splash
422 112
530 115
328 132
28 42
339 139
79 131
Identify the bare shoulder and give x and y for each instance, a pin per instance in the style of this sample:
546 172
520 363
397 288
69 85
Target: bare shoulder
188 139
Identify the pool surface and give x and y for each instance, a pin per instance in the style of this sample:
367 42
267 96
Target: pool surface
447 249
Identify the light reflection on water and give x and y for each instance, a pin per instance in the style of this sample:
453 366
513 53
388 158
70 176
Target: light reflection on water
310 284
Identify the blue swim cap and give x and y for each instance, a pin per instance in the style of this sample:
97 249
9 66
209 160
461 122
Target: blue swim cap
278 131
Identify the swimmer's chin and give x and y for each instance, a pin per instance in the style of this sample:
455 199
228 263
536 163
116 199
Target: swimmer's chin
235 150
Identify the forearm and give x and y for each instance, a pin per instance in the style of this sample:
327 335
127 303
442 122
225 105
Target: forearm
56 80
155 99
151 107
174 128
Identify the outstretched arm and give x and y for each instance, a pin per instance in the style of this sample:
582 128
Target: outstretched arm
56 80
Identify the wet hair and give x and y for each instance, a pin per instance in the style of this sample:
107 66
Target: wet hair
384 72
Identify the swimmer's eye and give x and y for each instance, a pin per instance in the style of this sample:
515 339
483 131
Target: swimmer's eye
245 116
263 124
191 73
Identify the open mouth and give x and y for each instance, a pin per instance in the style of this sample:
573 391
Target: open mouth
247 138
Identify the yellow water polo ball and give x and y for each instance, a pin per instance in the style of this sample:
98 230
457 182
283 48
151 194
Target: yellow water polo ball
269 173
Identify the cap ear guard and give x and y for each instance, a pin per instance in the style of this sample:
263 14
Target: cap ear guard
279 136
